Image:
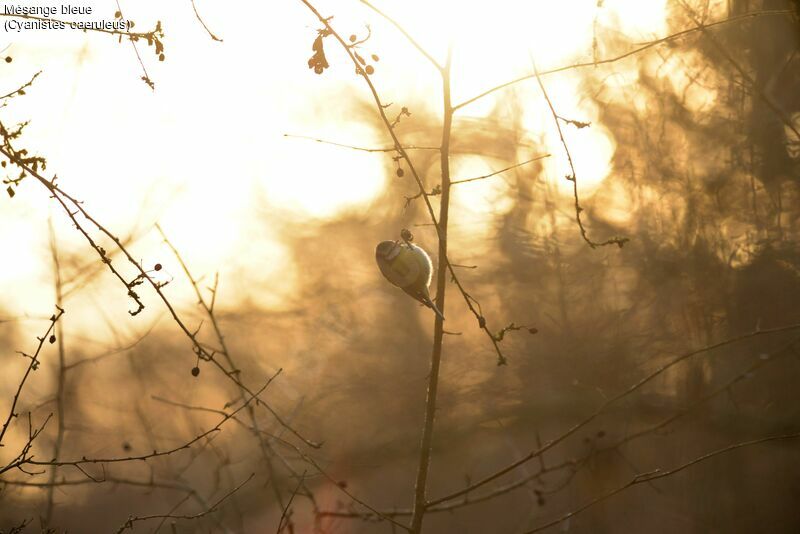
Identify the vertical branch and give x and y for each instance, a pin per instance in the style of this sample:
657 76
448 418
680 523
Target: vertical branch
441 284
59 328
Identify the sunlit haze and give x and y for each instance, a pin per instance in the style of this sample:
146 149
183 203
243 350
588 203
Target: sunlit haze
424 266
218 174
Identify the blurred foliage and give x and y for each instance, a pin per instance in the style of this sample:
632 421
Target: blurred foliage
709 197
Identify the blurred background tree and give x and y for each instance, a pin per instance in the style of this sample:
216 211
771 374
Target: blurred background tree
700 172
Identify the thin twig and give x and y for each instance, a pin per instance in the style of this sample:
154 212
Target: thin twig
501 171
209 309
771 104
145 76
112 352
32 365
407 35
359 148
135 519
285 514
552 443
305 457
29 460
659 473
645 46
202 22
19 91
381 108
619 241
66 200
62 369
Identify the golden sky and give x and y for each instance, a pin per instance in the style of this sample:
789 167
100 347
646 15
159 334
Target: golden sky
205 153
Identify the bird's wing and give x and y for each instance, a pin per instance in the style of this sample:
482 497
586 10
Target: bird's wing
425 264
422 295
419 293
404 270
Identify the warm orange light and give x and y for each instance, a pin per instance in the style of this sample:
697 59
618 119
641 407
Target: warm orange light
205 153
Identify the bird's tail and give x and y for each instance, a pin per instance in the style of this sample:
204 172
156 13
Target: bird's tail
429 303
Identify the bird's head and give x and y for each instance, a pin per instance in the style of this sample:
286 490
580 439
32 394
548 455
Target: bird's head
387 250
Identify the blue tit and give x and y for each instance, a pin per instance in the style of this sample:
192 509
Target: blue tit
408 267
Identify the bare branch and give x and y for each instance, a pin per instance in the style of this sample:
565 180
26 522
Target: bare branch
659 473
32 366
135 519
61 381
69 203
642 48
619 241
426 445
501 171
660 370
441 235
771 104
286 514
20 91
29 460
359 148
265 447
410 39
205 27
305 457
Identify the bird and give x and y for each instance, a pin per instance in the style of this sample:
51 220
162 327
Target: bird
408 267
